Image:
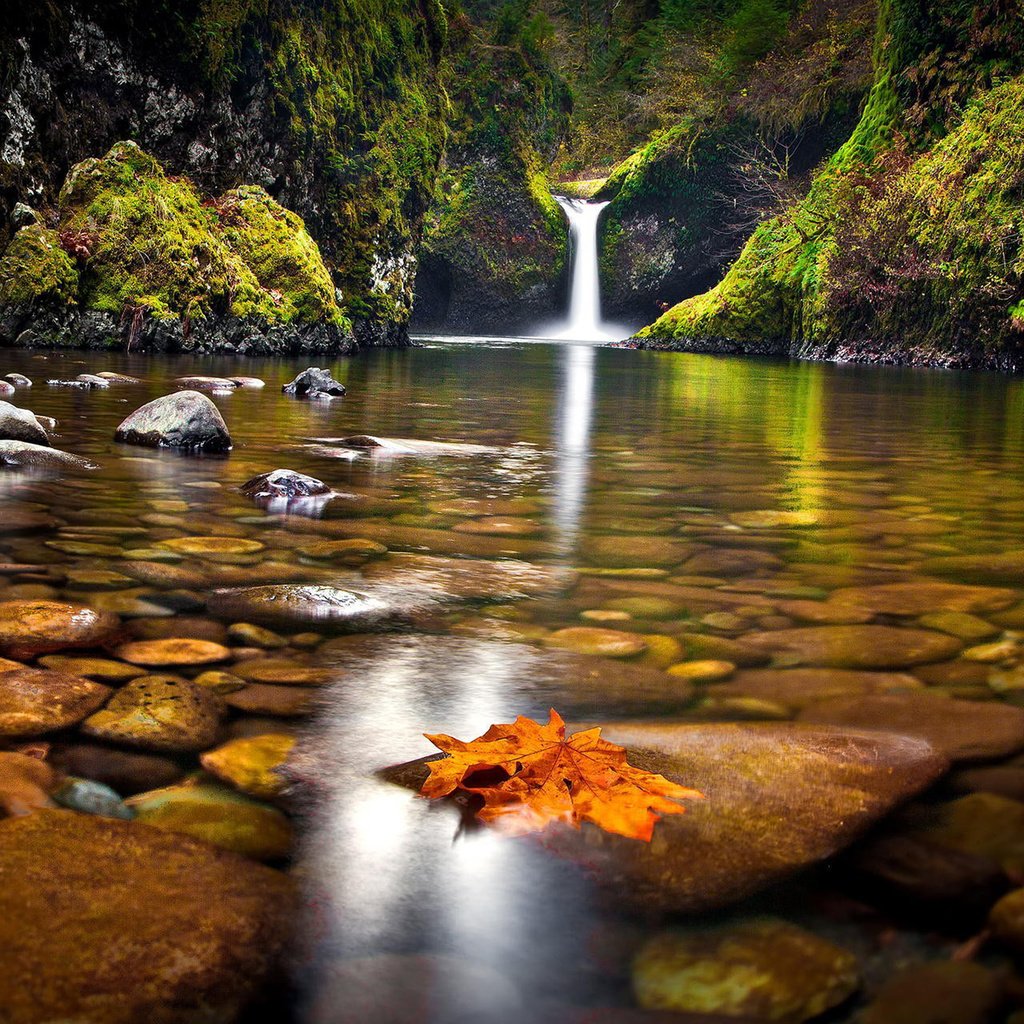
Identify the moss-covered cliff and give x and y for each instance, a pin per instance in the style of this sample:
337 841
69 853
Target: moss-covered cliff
908 246
762 101
334 107
493 254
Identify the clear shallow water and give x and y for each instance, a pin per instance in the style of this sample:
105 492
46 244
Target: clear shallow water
589 445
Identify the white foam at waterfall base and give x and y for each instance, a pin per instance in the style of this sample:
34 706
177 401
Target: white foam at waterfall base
584 322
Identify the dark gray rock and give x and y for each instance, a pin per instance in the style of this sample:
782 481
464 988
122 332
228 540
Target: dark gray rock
187 420
21 425
314 383
284 483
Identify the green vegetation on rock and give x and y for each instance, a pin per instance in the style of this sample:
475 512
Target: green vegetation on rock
907 246
35 268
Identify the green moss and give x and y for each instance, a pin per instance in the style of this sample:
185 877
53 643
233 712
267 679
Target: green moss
35 268
910 236
274 244
146 241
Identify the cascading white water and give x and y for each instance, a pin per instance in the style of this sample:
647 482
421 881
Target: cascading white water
584 322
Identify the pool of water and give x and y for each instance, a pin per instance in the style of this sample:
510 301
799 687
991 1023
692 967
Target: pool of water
642 471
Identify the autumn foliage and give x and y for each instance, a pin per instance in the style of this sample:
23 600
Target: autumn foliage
529 775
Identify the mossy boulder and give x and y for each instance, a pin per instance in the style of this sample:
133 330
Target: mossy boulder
146 258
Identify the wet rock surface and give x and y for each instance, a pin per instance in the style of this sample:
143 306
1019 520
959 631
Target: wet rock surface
314 383
777 798
24 454
187 420
21 425
185 955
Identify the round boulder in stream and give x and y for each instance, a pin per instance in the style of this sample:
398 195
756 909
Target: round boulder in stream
36 701
31 627
187 420
21 425
26 455
777 798
118 922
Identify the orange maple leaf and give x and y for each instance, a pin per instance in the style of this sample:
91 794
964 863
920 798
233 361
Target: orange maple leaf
530 775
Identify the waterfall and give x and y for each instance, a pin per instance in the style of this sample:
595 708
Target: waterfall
584 322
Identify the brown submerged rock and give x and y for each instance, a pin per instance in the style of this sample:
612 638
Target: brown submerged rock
867 647
762 968
36 701
778 798
126 771
545 677
173 651
922 597
158 713
609 643
31 627
798 688
281 701
72 883
950 991
26 782
962 730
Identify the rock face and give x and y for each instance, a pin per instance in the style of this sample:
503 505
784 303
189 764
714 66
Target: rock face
36 701
187 420
777 798
186 957
314 383
21 425
213 111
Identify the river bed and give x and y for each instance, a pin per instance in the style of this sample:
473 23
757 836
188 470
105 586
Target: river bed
675 498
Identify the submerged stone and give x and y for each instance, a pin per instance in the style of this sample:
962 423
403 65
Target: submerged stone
218 815
206 926
962 730
23 454
950 991
538 678
309 604
31 627
90 797
797 688
187 420
26 781
778 798
125 771
922 597
278 701
252 764
609 643
214 547
867 647
35 701
763 968
173 651
158 713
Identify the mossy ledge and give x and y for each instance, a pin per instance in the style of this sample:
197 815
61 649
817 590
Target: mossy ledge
132 258
907 249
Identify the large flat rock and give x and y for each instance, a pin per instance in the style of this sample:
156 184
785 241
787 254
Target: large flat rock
963 730
114 922
923 596
575 683
34 701
798 688
778 798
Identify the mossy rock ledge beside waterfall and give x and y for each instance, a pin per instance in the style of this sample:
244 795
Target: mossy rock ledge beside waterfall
140 259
